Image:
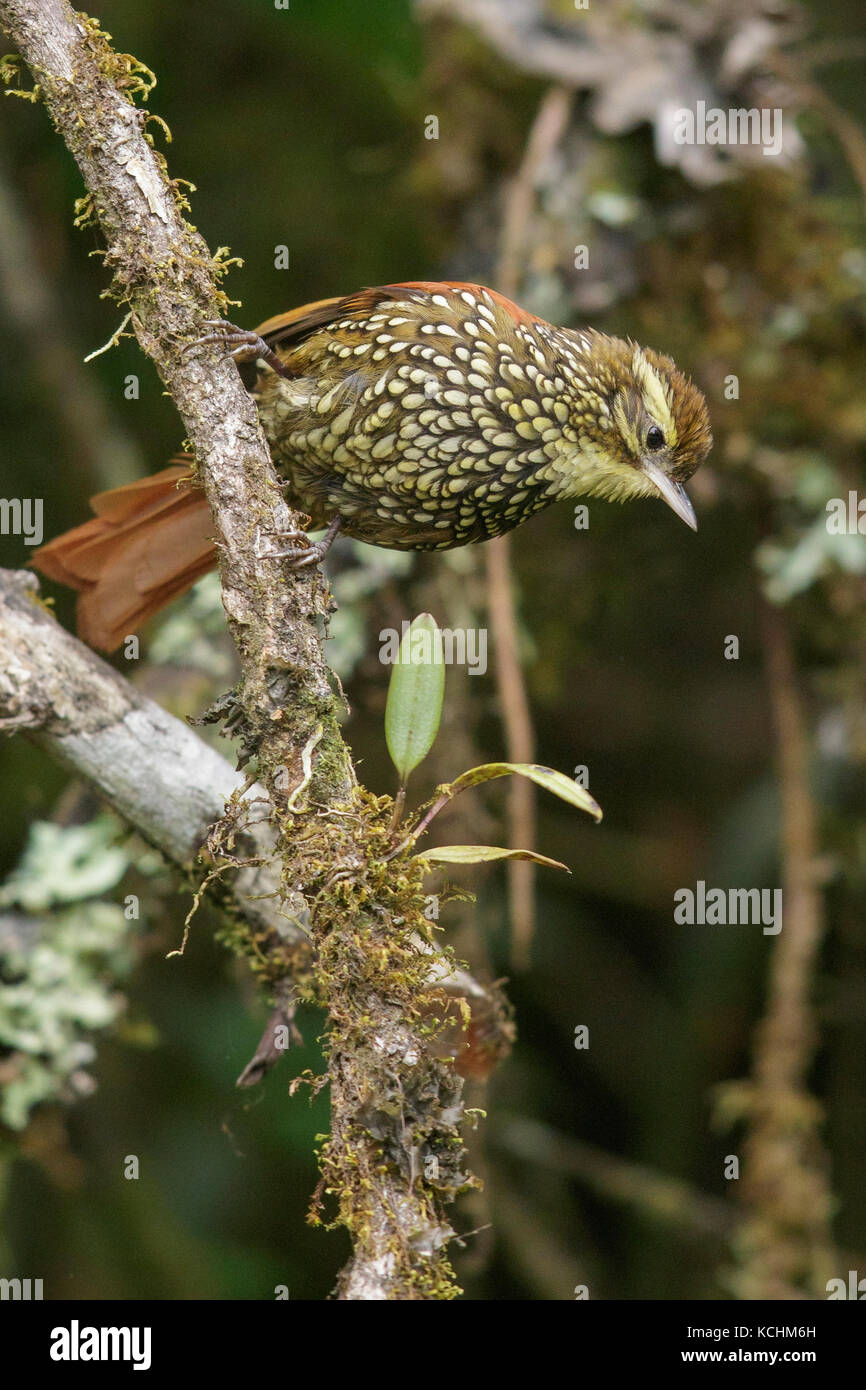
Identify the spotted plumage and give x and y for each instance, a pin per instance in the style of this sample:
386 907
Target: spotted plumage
427 417
417 417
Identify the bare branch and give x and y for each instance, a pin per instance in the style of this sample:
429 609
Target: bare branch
548 128
655 1195
786 1239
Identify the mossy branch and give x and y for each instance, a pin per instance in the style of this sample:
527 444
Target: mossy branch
393 1156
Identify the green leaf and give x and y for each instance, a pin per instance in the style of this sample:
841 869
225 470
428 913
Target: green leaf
481 854
548 777
415 695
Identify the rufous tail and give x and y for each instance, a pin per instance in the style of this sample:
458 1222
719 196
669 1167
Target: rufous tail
148 543
150 540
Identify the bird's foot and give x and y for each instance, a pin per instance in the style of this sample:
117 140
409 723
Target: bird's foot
312 552
242 345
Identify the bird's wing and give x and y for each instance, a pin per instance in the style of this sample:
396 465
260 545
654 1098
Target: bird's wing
292 327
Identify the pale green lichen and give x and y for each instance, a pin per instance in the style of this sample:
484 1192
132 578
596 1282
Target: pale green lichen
62 956
59 984
65 864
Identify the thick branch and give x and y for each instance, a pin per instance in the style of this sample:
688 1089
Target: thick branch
394 1153
150 767
157 774
164 271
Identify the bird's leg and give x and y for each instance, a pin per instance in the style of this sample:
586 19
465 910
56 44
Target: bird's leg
314 550
242 345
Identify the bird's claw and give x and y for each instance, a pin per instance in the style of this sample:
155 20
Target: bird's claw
312 552
242 345
292 535
301 558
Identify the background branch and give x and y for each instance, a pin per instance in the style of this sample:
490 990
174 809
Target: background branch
547 130
787 1239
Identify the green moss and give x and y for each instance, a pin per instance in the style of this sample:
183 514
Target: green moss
11 68
393 1114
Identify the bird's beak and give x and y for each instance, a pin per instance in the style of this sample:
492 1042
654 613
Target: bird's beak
673 493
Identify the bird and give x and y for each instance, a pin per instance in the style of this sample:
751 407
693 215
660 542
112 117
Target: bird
417 416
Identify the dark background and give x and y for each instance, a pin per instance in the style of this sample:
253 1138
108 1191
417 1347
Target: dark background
306 128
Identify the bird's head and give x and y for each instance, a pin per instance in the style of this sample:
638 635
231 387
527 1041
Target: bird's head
641 422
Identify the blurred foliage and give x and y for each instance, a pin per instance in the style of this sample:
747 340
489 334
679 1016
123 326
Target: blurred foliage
59 973
305 128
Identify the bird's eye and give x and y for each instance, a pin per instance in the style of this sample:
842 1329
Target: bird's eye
655 438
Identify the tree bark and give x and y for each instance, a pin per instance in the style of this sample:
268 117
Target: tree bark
394 1155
